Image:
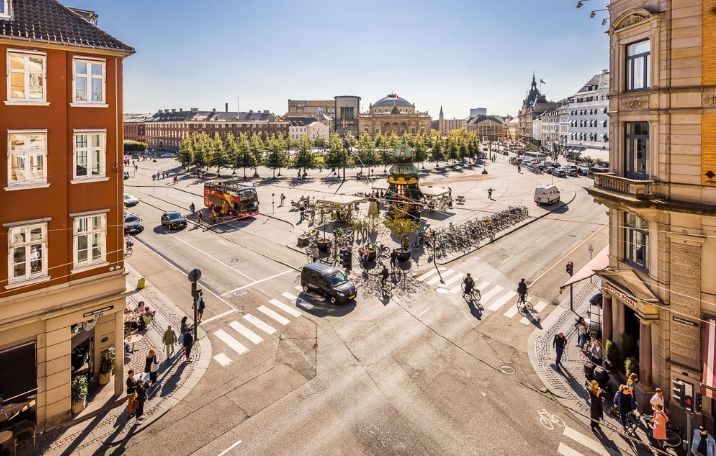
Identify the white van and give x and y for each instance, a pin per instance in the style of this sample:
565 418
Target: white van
546 194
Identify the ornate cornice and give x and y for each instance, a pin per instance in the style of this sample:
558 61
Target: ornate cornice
629 18
709 99
634 103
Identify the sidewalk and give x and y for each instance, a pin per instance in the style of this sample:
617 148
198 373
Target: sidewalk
176 379
567 385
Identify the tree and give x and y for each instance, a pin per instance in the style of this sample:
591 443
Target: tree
464 149
436 153
199 156
256 151
366 151
217 154
421 152
379 140
336 157
232 151
403 227
134 146
453 148
393 140
319 142
305 158
244 158
276 156
186 150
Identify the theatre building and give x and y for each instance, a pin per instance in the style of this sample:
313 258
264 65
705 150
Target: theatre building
659 289
62 281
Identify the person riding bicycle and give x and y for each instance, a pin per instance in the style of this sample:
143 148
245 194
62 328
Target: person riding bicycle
522 290
469 284
489 193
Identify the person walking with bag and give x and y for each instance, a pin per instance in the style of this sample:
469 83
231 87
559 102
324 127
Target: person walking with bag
141 399
658 425
596 396
151 365
131 394
169 338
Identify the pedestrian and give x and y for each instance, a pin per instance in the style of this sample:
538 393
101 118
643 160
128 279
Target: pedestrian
131 394
141 399
596 396
283 198
192 208
188 341
151 366
489 193
657 399
519 169
559 342
314 253
169 339
632 380
597 353
301 210
200 306
658 424
582 333
383 276
626 404
702 443
175 179
393 259
184 327
199 217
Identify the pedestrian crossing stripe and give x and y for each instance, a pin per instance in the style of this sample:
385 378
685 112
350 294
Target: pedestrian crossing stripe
538 308
511 312
259 324
294 299
288 309
246 332
427 274
567 450
298 288
234 344
439 277
453 279
588 442
273 314
491 293
222 359
502 300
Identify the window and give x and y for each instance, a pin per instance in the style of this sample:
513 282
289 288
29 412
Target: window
637 65
636 150
27 256
26 81
90 237
636 238
4 8
90 154
27 156
88 81
347 112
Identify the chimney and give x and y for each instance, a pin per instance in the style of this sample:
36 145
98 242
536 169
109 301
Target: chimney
174 110
194 109
226 107
265 111
181 109
213 110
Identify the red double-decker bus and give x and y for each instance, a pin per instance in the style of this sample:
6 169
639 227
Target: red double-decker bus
231 199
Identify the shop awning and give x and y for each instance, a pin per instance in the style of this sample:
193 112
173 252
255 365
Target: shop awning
599 262
431 191
339 200
709 350
626 286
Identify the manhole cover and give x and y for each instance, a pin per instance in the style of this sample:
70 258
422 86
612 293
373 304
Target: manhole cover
507 369
234 260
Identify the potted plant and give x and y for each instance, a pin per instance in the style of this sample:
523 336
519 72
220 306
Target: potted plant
79 387
403 227
107 364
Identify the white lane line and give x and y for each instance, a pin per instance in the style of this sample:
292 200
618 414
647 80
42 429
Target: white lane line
229 449
511 312
427 274
216 317
502 300
452 280
231 342
486 297
567 450
436 279
259 324
423 312
222 359
272 314
212 257
588 442
288 309
246 332
257 282
538 308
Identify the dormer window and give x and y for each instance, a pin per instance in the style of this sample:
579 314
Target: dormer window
4 9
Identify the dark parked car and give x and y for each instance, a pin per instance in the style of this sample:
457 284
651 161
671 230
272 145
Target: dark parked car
559 172
600 169
133 224
173 220
328 281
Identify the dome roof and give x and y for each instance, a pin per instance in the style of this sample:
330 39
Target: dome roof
392 100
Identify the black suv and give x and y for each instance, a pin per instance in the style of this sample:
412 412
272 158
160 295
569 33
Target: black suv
173 219
328 281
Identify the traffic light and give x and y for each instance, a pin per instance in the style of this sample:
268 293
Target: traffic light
698 399
570 268
678 392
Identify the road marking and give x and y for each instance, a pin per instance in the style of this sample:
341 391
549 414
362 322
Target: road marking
439 277
272 314
288 309
535 315
298 288
455 289
491 293
504 299
231 342
305 305
567 450
222 359
427 274
452 280
246 332
423 312
259 324
582 439
482 285
511 312
229 449
565 256
216 317
294 299
257 282
210 256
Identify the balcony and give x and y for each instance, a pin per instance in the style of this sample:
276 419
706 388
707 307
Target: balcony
635 188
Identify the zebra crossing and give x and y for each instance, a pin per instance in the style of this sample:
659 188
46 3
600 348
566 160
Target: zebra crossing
493 297
239 336
582 440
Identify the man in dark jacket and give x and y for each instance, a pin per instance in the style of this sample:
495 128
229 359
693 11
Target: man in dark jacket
188 341
559 342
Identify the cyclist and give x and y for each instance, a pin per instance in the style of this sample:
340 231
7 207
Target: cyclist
469 284
489 193
522 291
128 244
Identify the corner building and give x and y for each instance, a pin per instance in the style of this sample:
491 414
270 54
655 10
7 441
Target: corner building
660 194
62 283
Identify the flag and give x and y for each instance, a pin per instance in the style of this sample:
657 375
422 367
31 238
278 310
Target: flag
541 81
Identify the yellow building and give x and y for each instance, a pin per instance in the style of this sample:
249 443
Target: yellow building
660 286
393 114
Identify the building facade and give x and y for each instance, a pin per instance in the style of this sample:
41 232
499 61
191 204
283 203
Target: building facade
166 129
307 126
347 114
62 286
444 125
589 118
311 108
549 134
393 114
660 286
134 127
534 104
563 118
487 128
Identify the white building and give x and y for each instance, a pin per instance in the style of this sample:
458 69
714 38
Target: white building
589 119
537 128
308 126
549 134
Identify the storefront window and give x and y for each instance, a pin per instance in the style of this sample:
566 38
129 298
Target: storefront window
636 240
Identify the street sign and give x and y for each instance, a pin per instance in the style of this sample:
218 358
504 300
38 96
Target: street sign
194 275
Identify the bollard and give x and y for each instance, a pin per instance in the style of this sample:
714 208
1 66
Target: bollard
140 283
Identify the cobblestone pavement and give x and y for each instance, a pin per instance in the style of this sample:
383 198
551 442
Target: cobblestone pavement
176 379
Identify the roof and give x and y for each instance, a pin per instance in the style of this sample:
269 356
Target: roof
50 22
210 116
479 119
392 99
299 121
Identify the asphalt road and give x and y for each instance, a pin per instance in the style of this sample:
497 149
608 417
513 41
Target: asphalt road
426 374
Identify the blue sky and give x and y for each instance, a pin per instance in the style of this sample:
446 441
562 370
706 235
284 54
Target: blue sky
454 53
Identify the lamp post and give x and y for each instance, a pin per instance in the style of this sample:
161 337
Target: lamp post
273 203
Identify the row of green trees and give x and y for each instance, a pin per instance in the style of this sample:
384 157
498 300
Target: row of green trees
275 152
